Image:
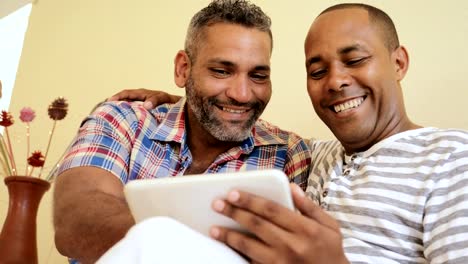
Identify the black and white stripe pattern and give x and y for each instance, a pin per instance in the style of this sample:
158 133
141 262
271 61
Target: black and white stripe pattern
405 200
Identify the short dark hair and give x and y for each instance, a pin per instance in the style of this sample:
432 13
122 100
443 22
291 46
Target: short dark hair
377 17
240 12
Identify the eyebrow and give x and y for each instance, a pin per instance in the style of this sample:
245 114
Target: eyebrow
231 64
262 68
313 60
341 51
350 48
222 62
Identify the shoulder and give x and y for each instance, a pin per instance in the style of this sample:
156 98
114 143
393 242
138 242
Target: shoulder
265 132
129 112
119 120
431 137
324 148
442 152
449 134
294 150
115 111
319 144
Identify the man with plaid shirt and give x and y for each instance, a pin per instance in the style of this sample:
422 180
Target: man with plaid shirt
215 128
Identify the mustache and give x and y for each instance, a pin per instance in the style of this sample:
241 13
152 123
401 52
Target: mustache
230 101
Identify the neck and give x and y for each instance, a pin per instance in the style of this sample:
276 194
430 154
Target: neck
393 127
203 146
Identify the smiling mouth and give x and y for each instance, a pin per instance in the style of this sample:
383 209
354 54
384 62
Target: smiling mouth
347 105
233 111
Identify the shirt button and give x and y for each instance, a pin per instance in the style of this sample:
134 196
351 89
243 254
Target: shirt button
325 193
324 205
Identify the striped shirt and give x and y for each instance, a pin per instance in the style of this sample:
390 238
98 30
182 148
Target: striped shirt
134 143
404 200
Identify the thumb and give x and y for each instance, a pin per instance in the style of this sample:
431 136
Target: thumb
310 209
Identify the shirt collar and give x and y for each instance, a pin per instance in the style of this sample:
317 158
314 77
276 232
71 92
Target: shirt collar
172 128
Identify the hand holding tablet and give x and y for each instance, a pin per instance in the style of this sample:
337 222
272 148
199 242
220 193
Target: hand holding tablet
188 198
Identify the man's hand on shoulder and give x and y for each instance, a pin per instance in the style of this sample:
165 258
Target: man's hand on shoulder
151 98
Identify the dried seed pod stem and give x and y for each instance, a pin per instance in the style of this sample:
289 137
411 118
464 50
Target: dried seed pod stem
48 146
10 152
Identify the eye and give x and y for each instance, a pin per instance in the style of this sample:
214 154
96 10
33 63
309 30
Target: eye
356 61
220 73
260 77
318 74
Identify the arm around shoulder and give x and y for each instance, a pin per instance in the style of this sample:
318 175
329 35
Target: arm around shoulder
90 213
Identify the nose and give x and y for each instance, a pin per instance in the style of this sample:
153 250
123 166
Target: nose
240 89
338 78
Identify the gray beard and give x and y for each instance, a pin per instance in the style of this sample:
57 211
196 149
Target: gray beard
232 132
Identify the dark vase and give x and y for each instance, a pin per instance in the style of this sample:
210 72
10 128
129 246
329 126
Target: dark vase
18 243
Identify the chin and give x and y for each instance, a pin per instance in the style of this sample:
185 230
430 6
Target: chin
348 134
230 134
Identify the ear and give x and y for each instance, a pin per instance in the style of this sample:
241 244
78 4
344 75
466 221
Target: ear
400 59
182 67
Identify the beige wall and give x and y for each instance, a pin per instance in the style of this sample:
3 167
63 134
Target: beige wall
87 50
9 6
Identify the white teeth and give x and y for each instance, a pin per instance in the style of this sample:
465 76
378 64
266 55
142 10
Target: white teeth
233 110
348 105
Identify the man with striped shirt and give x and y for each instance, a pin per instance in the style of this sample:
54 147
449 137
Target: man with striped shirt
398 191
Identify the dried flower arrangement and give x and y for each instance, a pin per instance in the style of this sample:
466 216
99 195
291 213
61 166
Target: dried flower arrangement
57 111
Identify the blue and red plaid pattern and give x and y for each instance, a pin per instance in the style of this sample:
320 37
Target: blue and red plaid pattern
134 143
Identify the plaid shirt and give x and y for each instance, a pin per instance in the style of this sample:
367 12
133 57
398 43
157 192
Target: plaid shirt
134 143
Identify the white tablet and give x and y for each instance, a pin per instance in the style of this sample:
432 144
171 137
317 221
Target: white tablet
188 198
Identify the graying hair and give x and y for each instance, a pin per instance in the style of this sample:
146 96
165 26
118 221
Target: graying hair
238 12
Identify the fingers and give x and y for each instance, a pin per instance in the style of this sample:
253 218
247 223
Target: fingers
173 98
275 213
308 208
157 98
264 208
263 228
131 95
256 251
151 98
282 235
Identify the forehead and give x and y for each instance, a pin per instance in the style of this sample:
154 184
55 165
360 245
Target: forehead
338 29
235 43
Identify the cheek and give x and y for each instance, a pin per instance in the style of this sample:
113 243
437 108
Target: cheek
317 96
265 93
260 91
314 94
376 74
210 86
